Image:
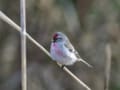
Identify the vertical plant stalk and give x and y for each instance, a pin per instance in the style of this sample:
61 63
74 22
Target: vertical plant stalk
107 67
23 44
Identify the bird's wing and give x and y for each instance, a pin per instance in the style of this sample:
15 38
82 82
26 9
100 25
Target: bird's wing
72 49
68 45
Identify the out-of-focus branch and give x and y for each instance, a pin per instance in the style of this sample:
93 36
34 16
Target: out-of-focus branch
14 25
107 66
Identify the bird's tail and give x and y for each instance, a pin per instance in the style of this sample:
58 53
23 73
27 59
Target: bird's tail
85 63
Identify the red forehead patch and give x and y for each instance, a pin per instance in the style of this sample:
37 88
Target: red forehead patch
55 36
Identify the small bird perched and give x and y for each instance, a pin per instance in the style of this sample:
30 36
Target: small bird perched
63 52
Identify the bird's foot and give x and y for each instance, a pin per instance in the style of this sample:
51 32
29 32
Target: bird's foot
62 66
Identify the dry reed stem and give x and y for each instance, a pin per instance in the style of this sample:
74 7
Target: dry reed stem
23 44
107 67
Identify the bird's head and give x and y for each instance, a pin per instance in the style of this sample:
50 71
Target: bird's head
58 37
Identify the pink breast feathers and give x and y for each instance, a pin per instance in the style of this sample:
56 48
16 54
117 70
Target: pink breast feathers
58 51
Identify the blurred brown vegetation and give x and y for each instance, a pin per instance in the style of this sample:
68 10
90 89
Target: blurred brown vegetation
90 25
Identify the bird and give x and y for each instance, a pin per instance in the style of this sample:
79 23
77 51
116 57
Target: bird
63 52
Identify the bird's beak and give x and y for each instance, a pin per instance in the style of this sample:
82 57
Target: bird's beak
52 40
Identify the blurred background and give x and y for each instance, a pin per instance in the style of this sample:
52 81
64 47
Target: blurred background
90 25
